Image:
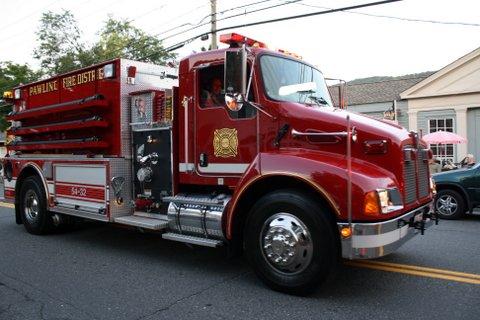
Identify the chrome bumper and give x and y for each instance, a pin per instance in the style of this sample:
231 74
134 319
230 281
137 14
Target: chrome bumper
374 240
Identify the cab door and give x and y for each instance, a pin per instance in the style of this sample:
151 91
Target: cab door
225 141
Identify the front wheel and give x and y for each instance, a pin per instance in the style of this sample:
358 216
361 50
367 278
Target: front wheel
289 241
449 204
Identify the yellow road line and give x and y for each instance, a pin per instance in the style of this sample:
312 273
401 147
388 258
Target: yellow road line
7 205
417 271
418 268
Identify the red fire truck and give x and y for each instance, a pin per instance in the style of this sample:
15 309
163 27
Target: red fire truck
265 165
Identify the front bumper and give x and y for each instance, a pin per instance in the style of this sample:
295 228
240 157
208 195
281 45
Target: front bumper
374 240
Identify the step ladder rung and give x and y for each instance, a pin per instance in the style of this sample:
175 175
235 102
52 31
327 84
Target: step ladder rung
192 239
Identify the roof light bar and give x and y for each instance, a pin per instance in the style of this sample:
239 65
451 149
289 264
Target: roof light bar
235 40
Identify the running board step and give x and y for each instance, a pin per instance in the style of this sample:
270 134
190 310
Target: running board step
142 222
192 239
156 216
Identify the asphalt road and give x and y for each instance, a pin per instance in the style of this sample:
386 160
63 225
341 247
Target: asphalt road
103 272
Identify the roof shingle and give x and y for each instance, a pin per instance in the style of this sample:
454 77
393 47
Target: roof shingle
377 91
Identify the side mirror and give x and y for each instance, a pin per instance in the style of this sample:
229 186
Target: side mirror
235 78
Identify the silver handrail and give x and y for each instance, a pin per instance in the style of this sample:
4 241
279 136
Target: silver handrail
352 134
349 170
296 133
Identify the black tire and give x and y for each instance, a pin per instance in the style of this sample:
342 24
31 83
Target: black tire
318 246
33 207
449 204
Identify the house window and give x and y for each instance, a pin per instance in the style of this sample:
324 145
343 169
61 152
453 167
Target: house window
443 151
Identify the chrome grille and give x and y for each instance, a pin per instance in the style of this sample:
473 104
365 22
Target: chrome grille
410 181
415 161
423 175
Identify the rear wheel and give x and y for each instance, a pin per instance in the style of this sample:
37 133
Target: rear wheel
449 204
290 242
33 207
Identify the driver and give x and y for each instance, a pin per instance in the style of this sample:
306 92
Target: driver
213 98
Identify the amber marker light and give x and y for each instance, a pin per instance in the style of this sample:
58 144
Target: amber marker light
346 232
371 205
8 95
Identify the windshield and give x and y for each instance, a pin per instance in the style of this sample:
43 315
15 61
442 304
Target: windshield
290 80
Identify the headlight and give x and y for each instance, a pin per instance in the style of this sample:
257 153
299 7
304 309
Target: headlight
382 201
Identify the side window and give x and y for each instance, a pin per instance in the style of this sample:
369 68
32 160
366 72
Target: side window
211 87
212 93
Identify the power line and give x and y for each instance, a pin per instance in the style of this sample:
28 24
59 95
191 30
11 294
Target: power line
305 15
230 17
181 16
131 42
11 36
198 26
109 6
398 18
234 8
28 16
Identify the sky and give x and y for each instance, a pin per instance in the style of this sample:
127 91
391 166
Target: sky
346 45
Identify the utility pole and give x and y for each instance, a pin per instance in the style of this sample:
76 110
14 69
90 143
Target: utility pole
213 6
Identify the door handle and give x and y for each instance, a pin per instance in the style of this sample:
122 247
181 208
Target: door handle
203 161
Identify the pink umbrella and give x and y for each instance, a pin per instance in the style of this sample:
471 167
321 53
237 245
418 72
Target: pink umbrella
443 137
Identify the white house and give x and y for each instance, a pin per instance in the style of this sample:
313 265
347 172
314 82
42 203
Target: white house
449 100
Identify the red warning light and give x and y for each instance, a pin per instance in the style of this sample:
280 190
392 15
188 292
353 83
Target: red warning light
236 40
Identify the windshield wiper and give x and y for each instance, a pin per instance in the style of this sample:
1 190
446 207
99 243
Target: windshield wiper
318 100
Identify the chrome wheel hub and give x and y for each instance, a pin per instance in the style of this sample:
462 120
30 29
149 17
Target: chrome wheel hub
286 243
31 206
447 205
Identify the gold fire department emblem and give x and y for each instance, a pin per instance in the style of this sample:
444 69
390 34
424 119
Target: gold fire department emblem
225 142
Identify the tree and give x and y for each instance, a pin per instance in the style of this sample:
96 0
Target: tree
119 38
61 48
11 75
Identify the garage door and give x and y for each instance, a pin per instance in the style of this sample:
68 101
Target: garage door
473 127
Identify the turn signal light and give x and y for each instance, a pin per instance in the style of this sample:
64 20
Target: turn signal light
346 232
371 205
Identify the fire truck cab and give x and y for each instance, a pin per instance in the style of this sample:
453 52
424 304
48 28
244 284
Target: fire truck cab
238 147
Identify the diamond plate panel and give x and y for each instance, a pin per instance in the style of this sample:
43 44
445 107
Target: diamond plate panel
121 168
